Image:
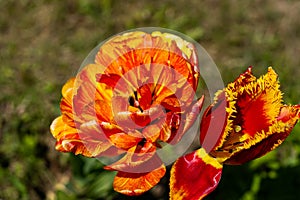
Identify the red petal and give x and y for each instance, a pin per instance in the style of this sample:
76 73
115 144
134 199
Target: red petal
193 176
133 184
213 124
252 106
245 78
145 96
258 104
276 134
258 150
108 79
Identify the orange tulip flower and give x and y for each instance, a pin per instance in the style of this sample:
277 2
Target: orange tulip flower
249 121
137 95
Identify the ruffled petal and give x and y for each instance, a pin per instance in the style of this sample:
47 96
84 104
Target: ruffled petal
67 138
289 115
194 176
255 122
88 139
127 51
276 134
258 104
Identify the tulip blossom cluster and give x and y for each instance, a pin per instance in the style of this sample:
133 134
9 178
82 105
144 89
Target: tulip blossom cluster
140 94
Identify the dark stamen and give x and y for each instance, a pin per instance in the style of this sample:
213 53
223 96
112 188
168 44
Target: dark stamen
142 142
131 100
135 95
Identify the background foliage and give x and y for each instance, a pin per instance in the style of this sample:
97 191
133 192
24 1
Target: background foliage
42 44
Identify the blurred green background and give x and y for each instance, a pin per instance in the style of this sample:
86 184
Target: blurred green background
42 44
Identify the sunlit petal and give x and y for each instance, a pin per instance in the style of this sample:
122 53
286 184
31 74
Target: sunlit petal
138 94
255 122
194 176
133 184
276 134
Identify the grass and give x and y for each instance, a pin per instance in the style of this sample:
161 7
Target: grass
42 44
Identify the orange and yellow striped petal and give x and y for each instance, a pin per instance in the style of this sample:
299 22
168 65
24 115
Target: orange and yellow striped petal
67 138
134 184
134 49
138 159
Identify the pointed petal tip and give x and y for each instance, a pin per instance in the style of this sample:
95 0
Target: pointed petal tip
249 69
68 86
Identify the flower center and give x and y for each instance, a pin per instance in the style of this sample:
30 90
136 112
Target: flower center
133 101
